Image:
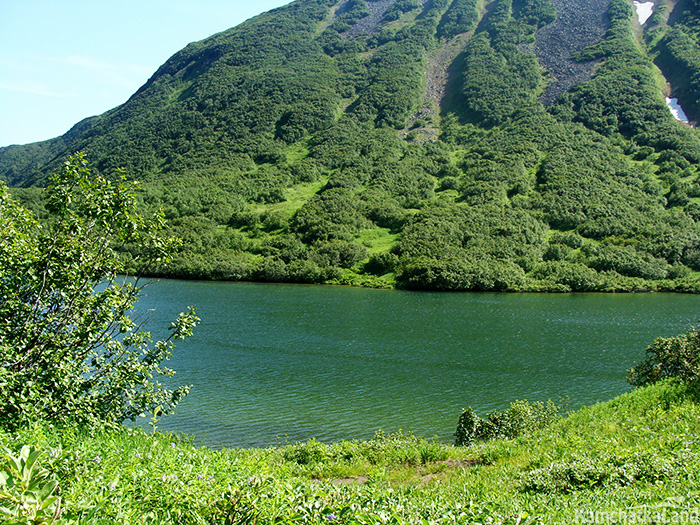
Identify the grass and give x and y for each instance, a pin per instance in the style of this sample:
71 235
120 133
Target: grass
296 197
638 453
377 240
297 152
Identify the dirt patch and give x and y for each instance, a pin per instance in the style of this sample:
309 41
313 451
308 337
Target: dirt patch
463 463
449 465
579 24
438 68
350 480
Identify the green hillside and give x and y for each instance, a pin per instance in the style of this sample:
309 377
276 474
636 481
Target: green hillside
440 145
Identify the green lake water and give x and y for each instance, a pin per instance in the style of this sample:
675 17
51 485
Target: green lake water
271 364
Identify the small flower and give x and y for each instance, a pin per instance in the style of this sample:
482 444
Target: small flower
112 486
331 517
173 445
97 459
137 455
199 476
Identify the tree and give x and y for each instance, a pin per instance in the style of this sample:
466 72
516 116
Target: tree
69 351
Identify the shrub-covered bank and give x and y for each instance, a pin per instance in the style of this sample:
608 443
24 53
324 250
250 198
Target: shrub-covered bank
638 453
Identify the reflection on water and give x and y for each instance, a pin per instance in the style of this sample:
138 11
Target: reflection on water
271 363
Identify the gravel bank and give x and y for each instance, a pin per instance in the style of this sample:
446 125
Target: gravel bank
579 24
369 24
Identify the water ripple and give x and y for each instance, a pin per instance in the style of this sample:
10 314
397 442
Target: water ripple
276 363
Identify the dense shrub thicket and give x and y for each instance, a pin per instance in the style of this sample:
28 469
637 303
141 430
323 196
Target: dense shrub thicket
520 418
300 163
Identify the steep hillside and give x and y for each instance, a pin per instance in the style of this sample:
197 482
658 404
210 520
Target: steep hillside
442 144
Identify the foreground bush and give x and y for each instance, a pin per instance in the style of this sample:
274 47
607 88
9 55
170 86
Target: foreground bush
26 489
69 352
522 417
677 357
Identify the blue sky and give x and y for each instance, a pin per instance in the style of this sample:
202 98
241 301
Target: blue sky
63 61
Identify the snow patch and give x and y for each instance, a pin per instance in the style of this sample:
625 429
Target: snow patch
644 10
676 109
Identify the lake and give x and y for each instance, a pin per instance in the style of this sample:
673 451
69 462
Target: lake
271 364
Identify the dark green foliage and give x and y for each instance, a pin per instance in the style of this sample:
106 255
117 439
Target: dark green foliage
568 277
333 214
495 85
386 213
381 263
519 419
462 16
468 248
625 260
498 77
677 357
395 74
458 274
534 12
400 7
340 254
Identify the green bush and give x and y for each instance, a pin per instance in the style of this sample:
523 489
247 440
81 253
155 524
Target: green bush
381 263
28 492
521 418
677 357
582 473
574 277
306 453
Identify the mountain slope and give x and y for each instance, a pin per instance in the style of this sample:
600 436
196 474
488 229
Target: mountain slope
441 144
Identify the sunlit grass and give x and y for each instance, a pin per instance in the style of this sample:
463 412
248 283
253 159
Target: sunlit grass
377 240
296 197
642 448
296 152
